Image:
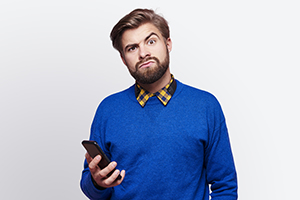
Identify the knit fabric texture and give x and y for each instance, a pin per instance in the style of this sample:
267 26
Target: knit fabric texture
168 152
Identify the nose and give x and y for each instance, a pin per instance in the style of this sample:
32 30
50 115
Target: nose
143 52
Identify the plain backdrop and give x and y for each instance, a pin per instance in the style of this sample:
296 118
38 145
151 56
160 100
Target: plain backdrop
57 64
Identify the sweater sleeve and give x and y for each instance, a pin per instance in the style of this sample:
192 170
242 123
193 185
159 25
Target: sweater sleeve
86 182
88 187
219 164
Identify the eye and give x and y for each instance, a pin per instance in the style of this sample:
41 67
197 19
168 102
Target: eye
151 41
131 48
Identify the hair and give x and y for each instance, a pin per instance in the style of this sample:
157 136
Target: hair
135 19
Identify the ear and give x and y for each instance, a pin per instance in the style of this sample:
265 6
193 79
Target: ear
169 44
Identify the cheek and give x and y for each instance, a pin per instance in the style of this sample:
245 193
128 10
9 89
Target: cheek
162 55
162 50
130 61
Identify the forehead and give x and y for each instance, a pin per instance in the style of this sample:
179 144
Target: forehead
137 35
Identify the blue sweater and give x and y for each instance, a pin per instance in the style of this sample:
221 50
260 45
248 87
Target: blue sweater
171 152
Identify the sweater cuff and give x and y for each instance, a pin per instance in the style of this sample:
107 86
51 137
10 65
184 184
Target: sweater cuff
91 191
96 185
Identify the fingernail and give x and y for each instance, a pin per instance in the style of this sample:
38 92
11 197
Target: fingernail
98 157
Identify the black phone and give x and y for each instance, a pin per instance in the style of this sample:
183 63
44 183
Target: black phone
94 149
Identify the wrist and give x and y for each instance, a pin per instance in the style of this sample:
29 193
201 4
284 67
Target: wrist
96 184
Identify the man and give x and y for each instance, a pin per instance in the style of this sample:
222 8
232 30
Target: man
170 138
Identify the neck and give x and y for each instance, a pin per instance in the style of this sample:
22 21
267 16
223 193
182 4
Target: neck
156 86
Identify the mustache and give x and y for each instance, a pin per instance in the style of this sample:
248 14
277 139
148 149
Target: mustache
145 60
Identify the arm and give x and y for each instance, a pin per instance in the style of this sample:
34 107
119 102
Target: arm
221 173
219 163
94 180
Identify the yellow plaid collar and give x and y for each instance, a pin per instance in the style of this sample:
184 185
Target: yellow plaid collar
164 94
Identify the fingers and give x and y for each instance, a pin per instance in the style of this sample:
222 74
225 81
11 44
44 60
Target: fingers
107 177
93 163
88 158
112 180
108 169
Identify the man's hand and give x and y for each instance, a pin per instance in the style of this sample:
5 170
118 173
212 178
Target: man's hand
100 175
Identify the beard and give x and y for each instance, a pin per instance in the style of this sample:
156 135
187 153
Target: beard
152 74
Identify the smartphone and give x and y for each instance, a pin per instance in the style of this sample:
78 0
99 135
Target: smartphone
94 149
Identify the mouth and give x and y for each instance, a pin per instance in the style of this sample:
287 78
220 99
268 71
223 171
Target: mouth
146 64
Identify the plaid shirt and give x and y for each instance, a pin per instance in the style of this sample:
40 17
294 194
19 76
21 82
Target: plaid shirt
164 94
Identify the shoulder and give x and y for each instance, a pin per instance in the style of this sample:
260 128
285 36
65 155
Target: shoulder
116 101
195 95
197 101
118 96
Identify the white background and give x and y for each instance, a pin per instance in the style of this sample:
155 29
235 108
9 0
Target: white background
57 64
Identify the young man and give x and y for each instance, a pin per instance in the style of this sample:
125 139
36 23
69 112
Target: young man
170 138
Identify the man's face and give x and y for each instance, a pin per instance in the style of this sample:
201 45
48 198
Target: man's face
146 53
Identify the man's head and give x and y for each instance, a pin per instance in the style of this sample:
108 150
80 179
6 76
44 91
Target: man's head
135 19
142 38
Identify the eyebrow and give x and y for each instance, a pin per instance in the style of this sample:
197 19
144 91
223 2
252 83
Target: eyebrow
151 35
132 45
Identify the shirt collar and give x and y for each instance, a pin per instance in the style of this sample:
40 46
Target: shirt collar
164 94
